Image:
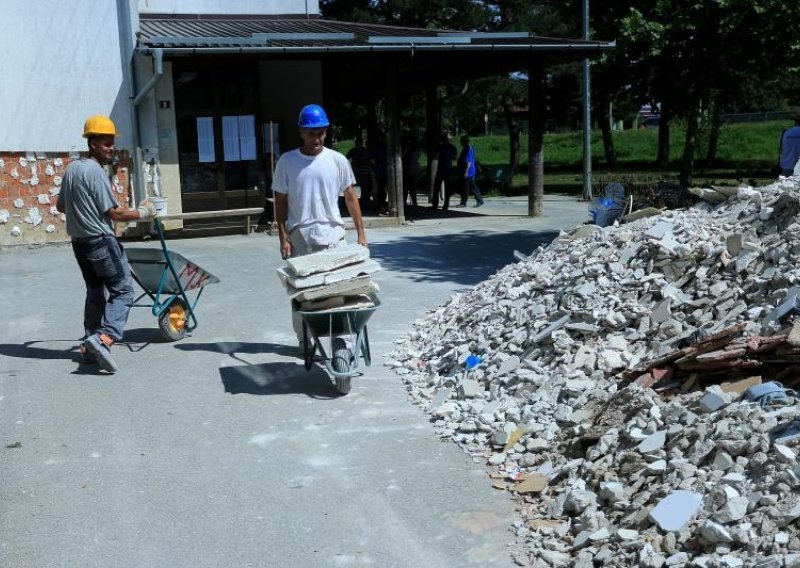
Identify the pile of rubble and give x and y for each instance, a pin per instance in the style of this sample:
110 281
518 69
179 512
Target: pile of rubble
335 278
605 380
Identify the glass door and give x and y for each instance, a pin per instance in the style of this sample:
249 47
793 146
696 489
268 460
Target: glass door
217 116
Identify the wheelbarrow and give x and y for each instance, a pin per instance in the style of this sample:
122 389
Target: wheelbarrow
347 340
167 277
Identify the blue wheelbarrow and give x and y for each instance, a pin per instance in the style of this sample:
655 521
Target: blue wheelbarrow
347 340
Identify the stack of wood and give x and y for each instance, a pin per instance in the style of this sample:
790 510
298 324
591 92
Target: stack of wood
724 356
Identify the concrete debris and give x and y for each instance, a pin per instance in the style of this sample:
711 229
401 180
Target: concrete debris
332 279
614 368
328 259
675 510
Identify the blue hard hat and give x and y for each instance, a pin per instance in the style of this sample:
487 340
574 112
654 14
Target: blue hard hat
312 116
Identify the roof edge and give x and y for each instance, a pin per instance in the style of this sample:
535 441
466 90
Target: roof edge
165 16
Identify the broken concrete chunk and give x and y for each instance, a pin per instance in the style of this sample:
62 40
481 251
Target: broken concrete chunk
532 483
659 230
712 400
653 443
714 533
469 388
733 510
328 259
675 510
441 396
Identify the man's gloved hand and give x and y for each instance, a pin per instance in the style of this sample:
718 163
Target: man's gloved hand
147 211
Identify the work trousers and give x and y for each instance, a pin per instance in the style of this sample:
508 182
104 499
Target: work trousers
470 185
109 288
439 179
301 248
364 182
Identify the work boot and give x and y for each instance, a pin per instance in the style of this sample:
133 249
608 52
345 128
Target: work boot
100 345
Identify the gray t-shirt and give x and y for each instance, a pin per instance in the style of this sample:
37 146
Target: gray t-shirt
85 197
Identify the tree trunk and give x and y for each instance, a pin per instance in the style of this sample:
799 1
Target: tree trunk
433 133
713 135
513 136
536 110
689 146
662 159
394 150
608 141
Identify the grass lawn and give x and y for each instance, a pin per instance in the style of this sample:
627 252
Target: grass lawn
746 153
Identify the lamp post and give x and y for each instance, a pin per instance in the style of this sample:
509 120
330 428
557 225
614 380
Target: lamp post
587 114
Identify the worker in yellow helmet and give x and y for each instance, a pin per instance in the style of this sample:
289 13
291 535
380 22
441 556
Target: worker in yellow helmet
91 209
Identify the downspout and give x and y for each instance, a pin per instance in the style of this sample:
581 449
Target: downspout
158 70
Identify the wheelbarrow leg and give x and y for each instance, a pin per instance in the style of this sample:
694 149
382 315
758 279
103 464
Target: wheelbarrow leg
308 348
365 351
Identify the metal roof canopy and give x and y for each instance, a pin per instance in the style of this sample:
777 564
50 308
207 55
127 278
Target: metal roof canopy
320 38
358 50
381 58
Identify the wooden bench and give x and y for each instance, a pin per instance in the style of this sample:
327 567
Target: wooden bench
217 214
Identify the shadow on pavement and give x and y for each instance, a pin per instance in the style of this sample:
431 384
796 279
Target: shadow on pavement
231 348
440 258
276 379
267 378
26 350
138 338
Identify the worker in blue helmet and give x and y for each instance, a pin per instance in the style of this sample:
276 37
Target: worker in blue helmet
307 184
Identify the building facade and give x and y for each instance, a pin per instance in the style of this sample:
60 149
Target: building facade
192 131
205 95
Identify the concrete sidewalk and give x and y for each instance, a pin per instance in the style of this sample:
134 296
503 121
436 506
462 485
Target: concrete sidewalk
221 450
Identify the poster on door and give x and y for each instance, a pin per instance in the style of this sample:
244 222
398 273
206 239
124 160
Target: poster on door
239 138
205 139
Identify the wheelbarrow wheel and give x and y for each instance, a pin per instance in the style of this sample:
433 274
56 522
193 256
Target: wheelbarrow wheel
342 362
172 321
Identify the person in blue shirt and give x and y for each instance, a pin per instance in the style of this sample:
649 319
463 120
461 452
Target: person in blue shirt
790 147
467 172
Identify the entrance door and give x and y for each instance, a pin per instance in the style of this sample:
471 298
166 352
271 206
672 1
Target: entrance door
216 108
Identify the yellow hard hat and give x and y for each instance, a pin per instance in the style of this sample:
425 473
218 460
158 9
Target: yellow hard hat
98 125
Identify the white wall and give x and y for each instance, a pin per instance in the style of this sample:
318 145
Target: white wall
265 7
60 63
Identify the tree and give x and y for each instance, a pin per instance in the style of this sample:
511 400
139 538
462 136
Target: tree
434 14
692 55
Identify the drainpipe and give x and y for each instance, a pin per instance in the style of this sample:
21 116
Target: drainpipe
158 70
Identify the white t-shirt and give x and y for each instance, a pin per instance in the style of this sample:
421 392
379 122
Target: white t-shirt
312 185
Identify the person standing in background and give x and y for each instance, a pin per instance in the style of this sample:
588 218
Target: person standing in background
380 167
790 147
446 153
361 162
466 173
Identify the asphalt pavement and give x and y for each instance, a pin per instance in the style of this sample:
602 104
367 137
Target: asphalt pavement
221 450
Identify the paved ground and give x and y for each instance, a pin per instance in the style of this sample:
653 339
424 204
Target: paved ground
221 450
